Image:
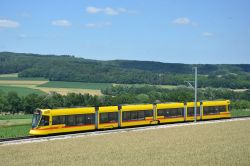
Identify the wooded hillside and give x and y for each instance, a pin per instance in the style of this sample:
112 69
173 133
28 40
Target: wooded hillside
70 68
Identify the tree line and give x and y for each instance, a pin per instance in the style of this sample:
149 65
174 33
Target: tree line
13 103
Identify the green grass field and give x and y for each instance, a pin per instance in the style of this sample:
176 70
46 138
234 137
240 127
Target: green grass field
22 91
240 112
14 131
142 85
24 78
8 117
14 122
208 144
9 75
77 85
14 125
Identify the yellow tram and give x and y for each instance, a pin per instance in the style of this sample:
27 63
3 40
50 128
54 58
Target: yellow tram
52 121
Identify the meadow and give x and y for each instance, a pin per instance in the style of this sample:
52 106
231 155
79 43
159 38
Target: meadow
142 85
240 112
9 117
14 122
22 91
77 85
14 131
207 144
25 86
14 125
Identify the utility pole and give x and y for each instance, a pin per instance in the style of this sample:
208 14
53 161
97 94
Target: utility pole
195 94
195 91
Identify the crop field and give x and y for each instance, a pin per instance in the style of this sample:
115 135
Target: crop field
14 122
208 144
142 85
14 131
9 117
64 91
14 125
22 91
13 75
76 85
24 86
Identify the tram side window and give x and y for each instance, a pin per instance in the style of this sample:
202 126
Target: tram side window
71 120
222 108
148 113
89 118
213 109
173 112
44 121
58 120
103 117
190 111
113 117
161 112
140 115
136 115
126 116
108 117
80 120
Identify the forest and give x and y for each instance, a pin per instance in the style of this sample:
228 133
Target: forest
71 68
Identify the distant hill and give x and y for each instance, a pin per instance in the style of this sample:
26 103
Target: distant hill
70 68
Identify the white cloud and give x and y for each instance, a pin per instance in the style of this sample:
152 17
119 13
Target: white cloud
8 24
107 10
98 25
93 10
62 23
207 34
182 21
110 11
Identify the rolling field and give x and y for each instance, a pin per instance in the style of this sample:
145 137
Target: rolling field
14 122
13 75
9 117
22 91
14 131
76 85
24 86
208 144
142 85
14 125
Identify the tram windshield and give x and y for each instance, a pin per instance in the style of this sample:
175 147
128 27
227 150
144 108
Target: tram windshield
36 117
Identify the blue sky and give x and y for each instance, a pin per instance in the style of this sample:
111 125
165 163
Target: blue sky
176 31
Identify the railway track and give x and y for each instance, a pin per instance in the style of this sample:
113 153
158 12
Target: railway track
30 139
